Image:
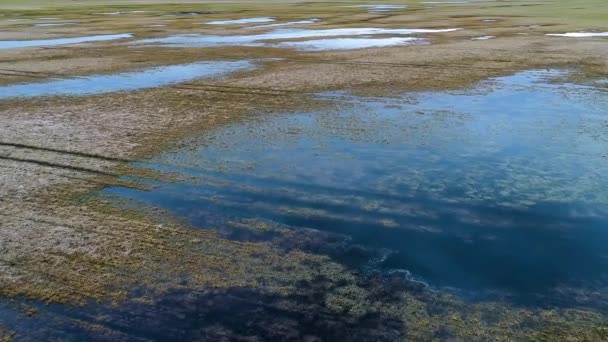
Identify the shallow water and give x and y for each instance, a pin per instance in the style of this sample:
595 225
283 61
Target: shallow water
241 21
483 38
289 23
12 44
348 43
262 39
128 81
53 24
380 8
496 191
579 34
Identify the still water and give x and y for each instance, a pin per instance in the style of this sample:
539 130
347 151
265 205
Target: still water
124 81
499 190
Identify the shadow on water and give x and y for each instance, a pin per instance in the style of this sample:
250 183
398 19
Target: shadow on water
235 314
492 191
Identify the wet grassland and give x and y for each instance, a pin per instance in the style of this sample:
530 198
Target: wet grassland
336 175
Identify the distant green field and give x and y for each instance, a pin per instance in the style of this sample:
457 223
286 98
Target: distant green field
580 14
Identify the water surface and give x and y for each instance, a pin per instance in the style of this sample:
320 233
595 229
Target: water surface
580 34
241 21
289 23
349 43
53 24
496 191
378 8
13 44
127 81
274 38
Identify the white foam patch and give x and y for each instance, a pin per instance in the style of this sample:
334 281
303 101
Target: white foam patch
241 21
348 43
483 38
579 34
289 23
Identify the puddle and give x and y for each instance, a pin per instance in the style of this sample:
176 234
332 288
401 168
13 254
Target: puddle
13 44
349 43
380 8
499 190
240 21
119 12
53 24
196 40
289 23
483 38
445 2
128 81
579 34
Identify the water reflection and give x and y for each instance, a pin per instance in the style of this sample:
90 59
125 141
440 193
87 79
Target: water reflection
496 190
127 81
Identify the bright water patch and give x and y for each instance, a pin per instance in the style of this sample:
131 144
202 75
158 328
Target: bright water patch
53 24
349 43
264 39
128 81
12 44
496 190
289 23
483 38
380 8
579 34
240 21
119 12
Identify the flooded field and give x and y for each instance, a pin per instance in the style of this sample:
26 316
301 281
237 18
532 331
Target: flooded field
303 171
465 200
471 191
